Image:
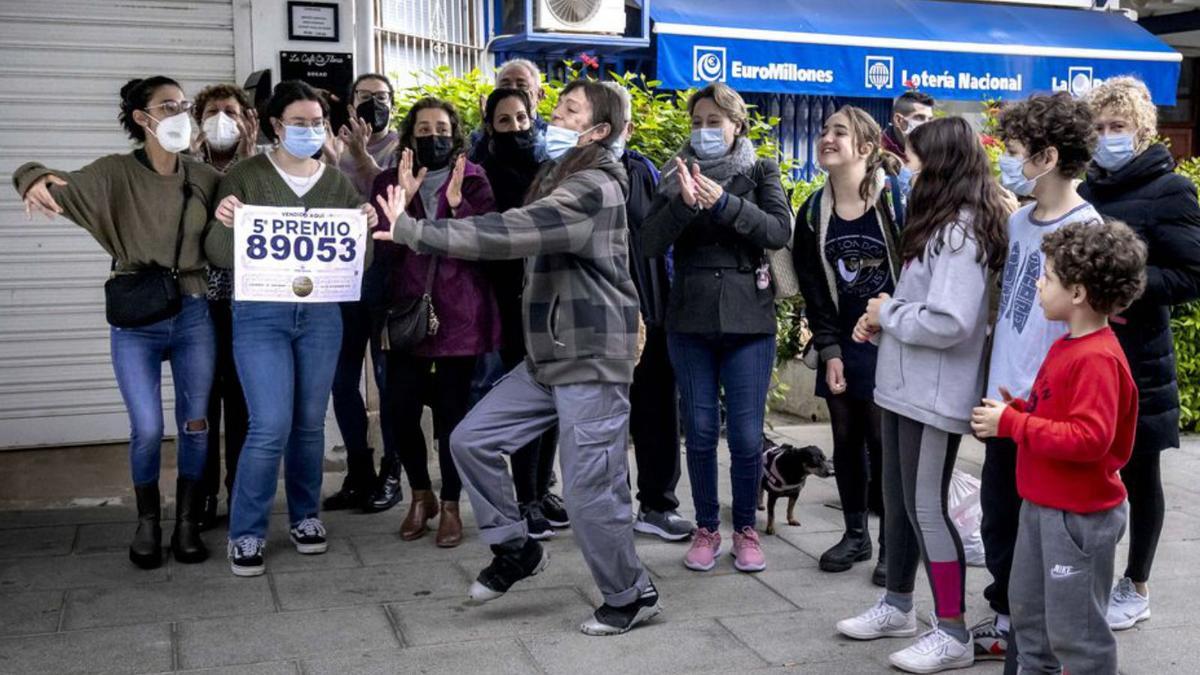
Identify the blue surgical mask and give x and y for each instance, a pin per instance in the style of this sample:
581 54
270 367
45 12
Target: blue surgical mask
1114 151
709 143
303 142
617 148
1012 176
559 140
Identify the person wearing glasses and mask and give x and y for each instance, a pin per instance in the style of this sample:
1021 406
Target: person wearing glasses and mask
150 208
229 129
909 111
286 352
368 147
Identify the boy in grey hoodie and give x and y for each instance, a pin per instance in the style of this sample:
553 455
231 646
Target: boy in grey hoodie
580 311
929 375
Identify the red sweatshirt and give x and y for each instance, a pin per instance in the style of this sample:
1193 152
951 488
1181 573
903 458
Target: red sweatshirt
1076 430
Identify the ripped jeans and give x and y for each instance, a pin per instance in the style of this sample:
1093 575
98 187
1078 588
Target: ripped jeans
187 340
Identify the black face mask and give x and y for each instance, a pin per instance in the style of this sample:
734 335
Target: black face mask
515 145
376 113
433 152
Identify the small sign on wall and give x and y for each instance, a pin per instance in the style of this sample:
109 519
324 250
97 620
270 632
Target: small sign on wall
316 21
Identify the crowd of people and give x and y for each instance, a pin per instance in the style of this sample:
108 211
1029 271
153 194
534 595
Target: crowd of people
584 296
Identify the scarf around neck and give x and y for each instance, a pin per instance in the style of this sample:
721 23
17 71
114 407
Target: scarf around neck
721 169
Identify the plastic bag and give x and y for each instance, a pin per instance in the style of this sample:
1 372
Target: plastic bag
967 515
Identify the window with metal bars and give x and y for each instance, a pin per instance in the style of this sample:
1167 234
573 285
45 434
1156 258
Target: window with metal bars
412 37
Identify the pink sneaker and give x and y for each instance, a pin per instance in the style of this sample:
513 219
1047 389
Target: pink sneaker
747 553
706 546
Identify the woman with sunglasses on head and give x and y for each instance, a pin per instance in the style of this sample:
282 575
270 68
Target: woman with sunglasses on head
286 352
149 209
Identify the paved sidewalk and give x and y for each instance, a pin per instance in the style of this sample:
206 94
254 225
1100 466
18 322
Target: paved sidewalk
70 601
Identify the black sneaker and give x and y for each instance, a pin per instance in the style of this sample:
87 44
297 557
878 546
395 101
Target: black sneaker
555 511
351 496
609 620
246 557
535 521
513 562
309 536
387 495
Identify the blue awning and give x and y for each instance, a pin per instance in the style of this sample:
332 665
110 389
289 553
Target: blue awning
880 48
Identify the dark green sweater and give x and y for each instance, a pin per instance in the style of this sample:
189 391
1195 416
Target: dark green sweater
256 183
133 212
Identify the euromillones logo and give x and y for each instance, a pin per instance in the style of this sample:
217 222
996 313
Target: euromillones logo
881 71
708 64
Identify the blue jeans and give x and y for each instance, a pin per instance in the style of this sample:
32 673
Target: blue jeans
186 339
286 355
740 366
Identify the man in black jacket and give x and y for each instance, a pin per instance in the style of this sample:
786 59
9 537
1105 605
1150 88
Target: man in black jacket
654 406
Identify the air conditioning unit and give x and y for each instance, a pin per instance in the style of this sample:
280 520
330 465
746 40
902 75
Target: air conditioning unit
580 16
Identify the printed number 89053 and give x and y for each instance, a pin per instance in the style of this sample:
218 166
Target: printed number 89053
281 247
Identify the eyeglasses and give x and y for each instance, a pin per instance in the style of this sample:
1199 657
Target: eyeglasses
173 108
361 95
315 123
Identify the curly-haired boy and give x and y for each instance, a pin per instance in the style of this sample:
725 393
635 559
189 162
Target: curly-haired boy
1049 142
1073 433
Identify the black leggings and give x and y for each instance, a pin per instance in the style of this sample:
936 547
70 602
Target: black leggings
1143 480
857 453
444 382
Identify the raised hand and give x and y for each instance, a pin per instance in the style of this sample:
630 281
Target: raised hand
355 135
247 134
454 185
331 152
687 184
392 204
226 208
708 191
407 181
38 198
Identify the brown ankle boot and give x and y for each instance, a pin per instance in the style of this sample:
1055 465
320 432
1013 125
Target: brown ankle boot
422 509
449 533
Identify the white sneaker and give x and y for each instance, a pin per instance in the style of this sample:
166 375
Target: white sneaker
882 620
934 652
1126 607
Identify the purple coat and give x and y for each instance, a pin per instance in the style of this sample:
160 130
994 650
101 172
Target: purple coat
469 318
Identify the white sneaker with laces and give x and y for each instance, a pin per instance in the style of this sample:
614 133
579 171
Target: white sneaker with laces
934 652
882 620
1127 607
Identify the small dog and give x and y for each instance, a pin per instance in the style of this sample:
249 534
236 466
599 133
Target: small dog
785 470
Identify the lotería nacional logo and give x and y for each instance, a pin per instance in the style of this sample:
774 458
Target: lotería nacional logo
880 72
708 64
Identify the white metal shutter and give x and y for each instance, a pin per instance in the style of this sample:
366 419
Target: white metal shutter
62 64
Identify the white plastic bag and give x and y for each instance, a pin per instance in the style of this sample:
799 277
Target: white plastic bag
967 514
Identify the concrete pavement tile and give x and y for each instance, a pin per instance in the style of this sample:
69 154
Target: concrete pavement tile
281 556
696 646
172 601
273 637
390 549
798 637
128 649
27 613
33 542
116 513
368 585
75 571
109 537
1157 650
501 657
519 612
271 668
705 597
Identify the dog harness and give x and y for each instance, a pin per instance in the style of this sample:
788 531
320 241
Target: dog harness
775 480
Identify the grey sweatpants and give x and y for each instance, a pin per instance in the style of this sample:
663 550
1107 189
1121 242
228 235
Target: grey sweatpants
1058 592
593 423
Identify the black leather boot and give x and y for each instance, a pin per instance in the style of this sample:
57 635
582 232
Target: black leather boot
879 576
855 545
185 541
208 513
146 549
387 491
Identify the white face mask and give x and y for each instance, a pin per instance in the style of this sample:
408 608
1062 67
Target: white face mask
222 132
174 133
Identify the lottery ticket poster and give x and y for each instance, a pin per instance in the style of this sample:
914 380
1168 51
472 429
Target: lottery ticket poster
293 255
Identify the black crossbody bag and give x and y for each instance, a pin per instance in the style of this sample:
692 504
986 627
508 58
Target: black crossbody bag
149 294
411 320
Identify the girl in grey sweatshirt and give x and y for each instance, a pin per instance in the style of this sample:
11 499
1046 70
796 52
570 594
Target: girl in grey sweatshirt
930 372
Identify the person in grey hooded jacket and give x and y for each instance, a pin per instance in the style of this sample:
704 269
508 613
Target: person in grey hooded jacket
930 372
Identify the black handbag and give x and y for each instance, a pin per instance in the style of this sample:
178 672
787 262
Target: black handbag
410 321
149 294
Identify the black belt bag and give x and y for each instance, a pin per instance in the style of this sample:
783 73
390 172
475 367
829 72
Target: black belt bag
411 320
150 294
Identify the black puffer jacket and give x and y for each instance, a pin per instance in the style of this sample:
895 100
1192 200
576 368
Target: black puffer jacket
1161 206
